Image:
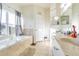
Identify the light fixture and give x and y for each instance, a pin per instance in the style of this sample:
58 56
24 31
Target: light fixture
56 18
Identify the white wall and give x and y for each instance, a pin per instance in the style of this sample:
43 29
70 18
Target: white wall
37 18
73 12
68 12
55 10
75 15
28 16
42 22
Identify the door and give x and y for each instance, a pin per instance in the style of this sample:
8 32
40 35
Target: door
40 28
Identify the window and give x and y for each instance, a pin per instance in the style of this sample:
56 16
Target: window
11 19
18 23
3 16
10 22
4 23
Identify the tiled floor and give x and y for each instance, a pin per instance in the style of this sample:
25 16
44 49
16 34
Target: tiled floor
23 48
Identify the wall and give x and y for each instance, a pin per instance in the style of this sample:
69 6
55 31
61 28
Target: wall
68 12
27 12
42 22
36 18
72 11
75 15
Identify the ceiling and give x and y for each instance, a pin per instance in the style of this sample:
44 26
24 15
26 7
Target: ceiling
44 5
